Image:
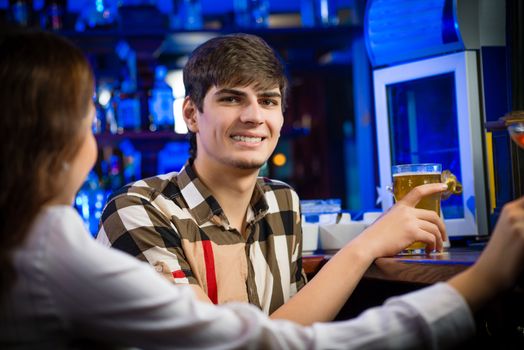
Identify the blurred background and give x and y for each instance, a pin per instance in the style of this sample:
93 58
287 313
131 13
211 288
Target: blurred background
341 56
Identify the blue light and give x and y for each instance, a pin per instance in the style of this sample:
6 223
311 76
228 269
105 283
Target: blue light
172 157
99 6
400 30
89 202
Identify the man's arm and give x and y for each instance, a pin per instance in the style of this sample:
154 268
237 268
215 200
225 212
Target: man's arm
134 225
322 298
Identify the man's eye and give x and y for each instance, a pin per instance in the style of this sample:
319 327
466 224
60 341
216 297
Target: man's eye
269 102
230 99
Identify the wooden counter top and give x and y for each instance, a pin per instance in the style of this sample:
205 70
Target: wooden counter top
415 269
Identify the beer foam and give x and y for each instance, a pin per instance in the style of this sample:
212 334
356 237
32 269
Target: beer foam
417 173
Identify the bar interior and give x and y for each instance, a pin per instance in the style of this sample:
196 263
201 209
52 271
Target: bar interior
373 85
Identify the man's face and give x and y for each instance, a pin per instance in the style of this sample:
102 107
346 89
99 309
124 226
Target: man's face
239 126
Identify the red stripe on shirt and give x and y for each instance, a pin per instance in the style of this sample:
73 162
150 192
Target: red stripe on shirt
211 279
178 274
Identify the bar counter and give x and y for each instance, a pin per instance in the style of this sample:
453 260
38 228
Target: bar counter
499 325
426 269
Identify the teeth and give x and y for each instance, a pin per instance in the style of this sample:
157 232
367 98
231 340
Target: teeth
247 139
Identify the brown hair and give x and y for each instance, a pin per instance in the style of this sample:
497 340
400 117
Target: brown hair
46 88
228 61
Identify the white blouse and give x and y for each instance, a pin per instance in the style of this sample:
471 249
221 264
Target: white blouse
71 288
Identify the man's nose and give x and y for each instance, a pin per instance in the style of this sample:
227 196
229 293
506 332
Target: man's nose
252 113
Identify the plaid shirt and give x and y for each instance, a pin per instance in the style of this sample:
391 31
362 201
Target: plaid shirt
173 220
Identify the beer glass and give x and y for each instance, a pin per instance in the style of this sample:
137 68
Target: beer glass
408 176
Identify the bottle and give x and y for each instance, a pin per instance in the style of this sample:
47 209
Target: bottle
127 108
105 121
251 13
128 100
131 162
111 168
186 14
161 102
172 157
321 13
90 201
307 13
20 12
53 14
98 126
259 11
97 13
115 171
111 125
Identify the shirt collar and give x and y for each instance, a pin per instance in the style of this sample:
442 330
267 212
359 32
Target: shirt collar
204 207
258 201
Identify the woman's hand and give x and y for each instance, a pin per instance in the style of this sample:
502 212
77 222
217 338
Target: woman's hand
500 264
404 224
502 261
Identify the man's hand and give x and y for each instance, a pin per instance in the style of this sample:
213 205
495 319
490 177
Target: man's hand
164 271
162 268
404 224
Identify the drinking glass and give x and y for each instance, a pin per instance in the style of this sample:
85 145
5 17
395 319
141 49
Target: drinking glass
408 176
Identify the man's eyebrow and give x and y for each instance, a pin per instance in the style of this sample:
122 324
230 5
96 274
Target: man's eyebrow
230 92
236 92
270 94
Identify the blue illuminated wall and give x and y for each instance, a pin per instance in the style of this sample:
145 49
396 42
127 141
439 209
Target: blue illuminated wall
399 30
208 6
211 7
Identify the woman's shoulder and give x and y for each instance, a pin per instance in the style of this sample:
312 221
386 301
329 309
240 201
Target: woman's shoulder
62 223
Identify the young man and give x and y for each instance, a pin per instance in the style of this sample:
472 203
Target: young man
228 233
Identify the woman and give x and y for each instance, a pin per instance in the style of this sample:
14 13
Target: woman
59 288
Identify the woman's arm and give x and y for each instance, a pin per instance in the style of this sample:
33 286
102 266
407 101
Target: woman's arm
501 262
105 294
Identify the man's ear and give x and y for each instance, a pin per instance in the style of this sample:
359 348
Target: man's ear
189 111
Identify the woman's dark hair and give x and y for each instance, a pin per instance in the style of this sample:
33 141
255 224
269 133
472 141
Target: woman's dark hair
46 87
229 61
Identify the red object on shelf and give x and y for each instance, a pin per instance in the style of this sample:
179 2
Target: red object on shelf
519 139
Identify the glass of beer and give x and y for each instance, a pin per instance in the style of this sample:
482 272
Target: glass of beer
408 176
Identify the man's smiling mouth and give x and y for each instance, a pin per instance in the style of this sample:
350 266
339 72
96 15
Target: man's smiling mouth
248 139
